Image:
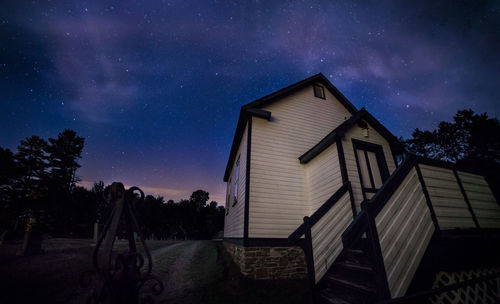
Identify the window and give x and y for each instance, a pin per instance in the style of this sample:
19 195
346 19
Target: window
237 181
319 91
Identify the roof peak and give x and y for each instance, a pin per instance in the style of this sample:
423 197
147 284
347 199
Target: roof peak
298 85
276 95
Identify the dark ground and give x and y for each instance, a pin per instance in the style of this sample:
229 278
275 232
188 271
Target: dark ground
191 271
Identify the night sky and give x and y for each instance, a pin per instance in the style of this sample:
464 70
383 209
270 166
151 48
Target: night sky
156 87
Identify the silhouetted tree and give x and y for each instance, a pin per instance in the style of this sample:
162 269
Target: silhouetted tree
8 168
64 152
32 164
8 175
103 209
40 181
469 138
199 198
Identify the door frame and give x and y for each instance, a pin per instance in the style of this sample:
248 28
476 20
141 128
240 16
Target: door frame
381 162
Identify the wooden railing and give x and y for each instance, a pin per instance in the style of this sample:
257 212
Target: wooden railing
322 231
461 197
420 198
404 227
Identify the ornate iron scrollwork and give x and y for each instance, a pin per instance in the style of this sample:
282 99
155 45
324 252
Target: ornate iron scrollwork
118 277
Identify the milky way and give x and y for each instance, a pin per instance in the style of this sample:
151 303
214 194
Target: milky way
155 87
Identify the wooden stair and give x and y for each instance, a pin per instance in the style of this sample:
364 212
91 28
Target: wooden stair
350 280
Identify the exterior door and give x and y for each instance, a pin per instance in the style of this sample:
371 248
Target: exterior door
372 167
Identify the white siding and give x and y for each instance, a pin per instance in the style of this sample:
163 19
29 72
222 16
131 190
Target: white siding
233 223
278 196
447 199
326 235
352 169
323 177
405 228
481 198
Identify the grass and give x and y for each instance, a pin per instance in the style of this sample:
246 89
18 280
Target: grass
210 274
35 279
50 277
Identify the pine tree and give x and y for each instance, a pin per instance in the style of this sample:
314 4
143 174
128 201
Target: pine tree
32 163
64 152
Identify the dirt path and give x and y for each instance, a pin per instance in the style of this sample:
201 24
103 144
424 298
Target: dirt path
172 264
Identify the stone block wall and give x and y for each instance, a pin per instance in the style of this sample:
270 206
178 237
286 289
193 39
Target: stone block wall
269 262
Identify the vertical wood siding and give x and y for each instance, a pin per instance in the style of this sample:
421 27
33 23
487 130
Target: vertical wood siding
447 199
405 228
350 159
233 223
323 177
326 235
278 195
481 198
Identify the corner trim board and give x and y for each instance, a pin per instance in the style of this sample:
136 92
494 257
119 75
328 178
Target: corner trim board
247 183
343 166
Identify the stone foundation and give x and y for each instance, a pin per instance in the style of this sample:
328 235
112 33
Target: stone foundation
269 262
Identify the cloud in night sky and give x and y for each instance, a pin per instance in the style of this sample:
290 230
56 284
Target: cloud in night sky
155 87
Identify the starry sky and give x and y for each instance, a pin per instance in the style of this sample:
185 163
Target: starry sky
156 87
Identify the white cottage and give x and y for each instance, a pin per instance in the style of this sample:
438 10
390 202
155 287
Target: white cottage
314 189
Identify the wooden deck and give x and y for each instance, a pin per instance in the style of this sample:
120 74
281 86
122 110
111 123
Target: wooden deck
421 199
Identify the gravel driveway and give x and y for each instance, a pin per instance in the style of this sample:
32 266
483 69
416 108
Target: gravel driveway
172 264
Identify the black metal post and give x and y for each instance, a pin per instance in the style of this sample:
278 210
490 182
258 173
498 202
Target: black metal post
118 277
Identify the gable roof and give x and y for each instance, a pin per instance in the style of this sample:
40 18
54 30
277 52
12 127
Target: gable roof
338 132
248 110
263 101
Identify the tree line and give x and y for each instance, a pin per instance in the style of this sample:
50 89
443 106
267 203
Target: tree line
469 139
39 182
